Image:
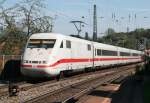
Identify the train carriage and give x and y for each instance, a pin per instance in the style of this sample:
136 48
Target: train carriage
105 54
49 54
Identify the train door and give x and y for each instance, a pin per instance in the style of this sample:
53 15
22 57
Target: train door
118 56
93 56
69 54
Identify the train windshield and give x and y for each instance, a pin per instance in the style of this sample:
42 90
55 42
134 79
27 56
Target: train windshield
41 43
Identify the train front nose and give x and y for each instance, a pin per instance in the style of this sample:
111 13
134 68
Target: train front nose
33 71
36 57
34 61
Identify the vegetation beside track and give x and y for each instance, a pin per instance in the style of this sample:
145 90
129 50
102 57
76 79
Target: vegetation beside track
147 92
143 74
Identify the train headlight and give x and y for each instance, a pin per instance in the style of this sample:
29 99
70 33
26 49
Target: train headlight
44 62
25 61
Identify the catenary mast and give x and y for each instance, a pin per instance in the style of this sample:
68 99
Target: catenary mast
94 24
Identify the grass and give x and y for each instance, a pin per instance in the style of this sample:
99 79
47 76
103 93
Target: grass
147 92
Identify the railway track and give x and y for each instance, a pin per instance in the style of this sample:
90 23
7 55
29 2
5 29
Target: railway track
4 88
72 92
24 86
65 87
31 92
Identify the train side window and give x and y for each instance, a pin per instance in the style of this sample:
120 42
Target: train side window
124 54
135 54
99 52
89 47
61 46
109 53
68 44
95 52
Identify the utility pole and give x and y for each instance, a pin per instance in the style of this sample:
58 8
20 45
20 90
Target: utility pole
94 24
94 31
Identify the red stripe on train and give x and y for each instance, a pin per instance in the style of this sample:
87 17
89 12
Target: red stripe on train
76 60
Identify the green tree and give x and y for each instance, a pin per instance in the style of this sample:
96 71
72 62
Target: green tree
110 31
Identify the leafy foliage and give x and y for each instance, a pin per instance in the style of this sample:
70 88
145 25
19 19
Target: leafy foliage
12 43
18 22
128 39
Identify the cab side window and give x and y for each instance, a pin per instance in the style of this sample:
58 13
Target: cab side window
89 47
61 46
68 44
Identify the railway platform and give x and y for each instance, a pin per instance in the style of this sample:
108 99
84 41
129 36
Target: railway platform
130 91
101 95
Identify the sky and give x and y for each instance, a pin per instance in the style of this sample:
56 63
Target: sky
130 14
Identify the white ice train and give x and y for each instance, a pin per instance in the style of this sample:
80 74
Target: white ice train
49 54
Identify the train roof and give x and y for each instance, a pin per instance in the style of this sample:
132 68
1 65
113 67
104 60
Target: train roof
59 35
56 36
44 35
